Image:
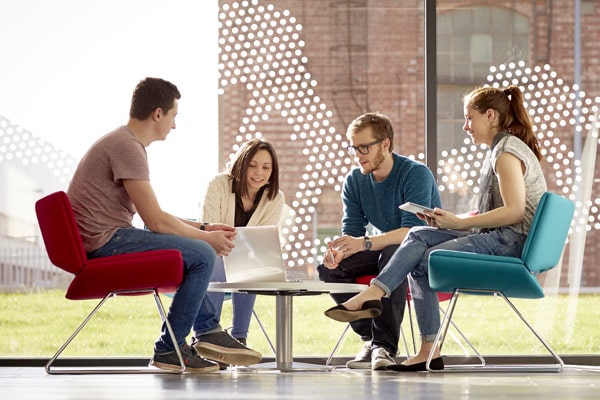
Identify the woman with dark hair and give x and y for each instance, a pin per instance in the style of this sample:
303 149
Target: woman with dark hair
511 185
246 195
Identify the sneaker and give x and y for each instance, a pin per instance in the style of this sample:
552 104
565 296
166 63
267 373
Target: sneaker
380 359
193 362
239 339
223 366
362 359
222 347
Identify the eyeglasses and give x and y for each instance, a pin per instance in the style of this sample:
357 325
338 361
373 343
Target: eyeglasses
363 148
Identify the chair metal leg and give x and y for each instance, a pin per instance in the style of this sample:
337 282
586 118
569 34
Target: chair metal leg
464 338
403 337
264 331
482 367
443 331
414 337
559 362
412 330
337 345
52 370
165 320
49 368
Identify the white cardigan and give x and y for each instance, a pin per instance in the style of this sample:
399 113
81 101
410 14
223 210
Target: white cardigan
219 205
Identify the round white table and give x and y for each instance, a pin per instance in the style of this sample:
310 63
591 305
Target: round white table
284 293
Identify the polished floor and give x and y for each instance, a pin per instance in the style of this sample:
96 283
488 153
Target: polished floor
19 382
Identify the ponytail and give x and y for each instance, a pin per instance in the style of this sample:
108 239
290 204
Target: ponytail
512 115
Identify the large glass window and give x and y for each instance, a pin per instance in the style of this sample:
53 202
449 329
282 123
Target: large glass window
297 73
469 40
498 44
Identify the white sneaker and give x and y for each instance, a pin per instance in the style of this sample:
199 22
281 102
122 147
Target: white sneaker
380 359
362 359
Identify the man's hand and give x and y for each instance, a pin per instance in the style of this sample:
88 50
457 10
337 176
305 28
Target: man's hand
341 248
332 257
219 227
348 245
221 241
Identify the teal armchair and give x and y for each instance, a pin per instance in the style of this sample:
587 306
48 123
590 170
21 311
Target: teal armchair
506 277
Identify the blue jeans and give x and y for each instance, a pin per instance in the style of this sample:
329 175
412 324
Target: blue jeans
243 303
190 308
412 260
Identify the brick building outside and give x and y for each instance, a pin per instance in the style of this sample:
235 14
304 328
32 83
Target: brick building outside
297 72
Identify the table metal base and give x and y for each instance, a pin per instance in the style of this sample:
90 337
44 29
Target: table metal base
284 311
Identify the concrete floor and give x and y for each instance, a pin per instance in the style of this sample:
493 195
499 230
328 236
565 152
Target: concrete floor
33 383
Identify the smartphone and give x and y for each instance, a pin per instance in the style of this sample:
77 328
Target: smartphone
415 208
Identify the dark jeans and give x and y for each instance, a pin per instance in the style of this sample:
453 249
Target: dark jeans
384 331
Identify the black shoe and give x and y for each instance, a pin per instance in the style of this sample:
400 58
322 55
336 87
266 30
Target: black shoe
223 348
193 362
436 364
369 309
242 340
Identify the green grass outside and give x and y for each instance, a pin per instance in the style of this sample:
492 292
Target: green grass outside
35 325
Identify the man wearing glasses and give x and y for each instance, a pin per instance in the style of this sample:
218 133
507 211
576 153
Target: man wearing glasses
371 195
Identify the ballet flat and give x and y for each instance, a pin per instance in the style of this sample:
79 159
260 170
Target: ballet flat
436 364
369 309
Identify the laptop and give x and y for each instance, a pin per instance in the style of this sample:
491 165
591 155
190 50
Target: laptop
256 265
256 256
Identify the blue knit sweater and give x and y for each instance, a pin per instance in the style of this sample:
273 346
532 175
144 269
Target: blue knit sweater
376 203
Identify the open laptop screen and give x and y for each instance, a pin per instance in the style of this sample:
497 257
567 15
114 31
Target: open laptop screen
256 256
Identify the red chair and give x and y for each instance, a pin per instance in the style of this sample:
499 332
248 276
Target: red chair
366 280
140 273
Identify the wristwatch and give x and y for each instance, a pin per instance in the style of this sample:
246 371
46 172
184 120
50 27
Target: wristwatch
367 243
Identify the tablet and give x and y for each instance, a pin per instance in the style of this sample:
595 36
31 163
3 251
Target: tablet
414 208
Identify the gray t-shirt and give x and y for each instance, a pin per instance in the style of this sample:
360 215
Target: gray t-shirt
535 183
100 202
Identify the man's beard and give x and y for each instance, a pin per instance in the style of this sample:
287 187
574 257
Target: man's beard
373 165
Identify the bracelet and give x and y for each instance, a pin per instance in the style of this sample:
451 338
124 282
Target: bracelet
203 226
